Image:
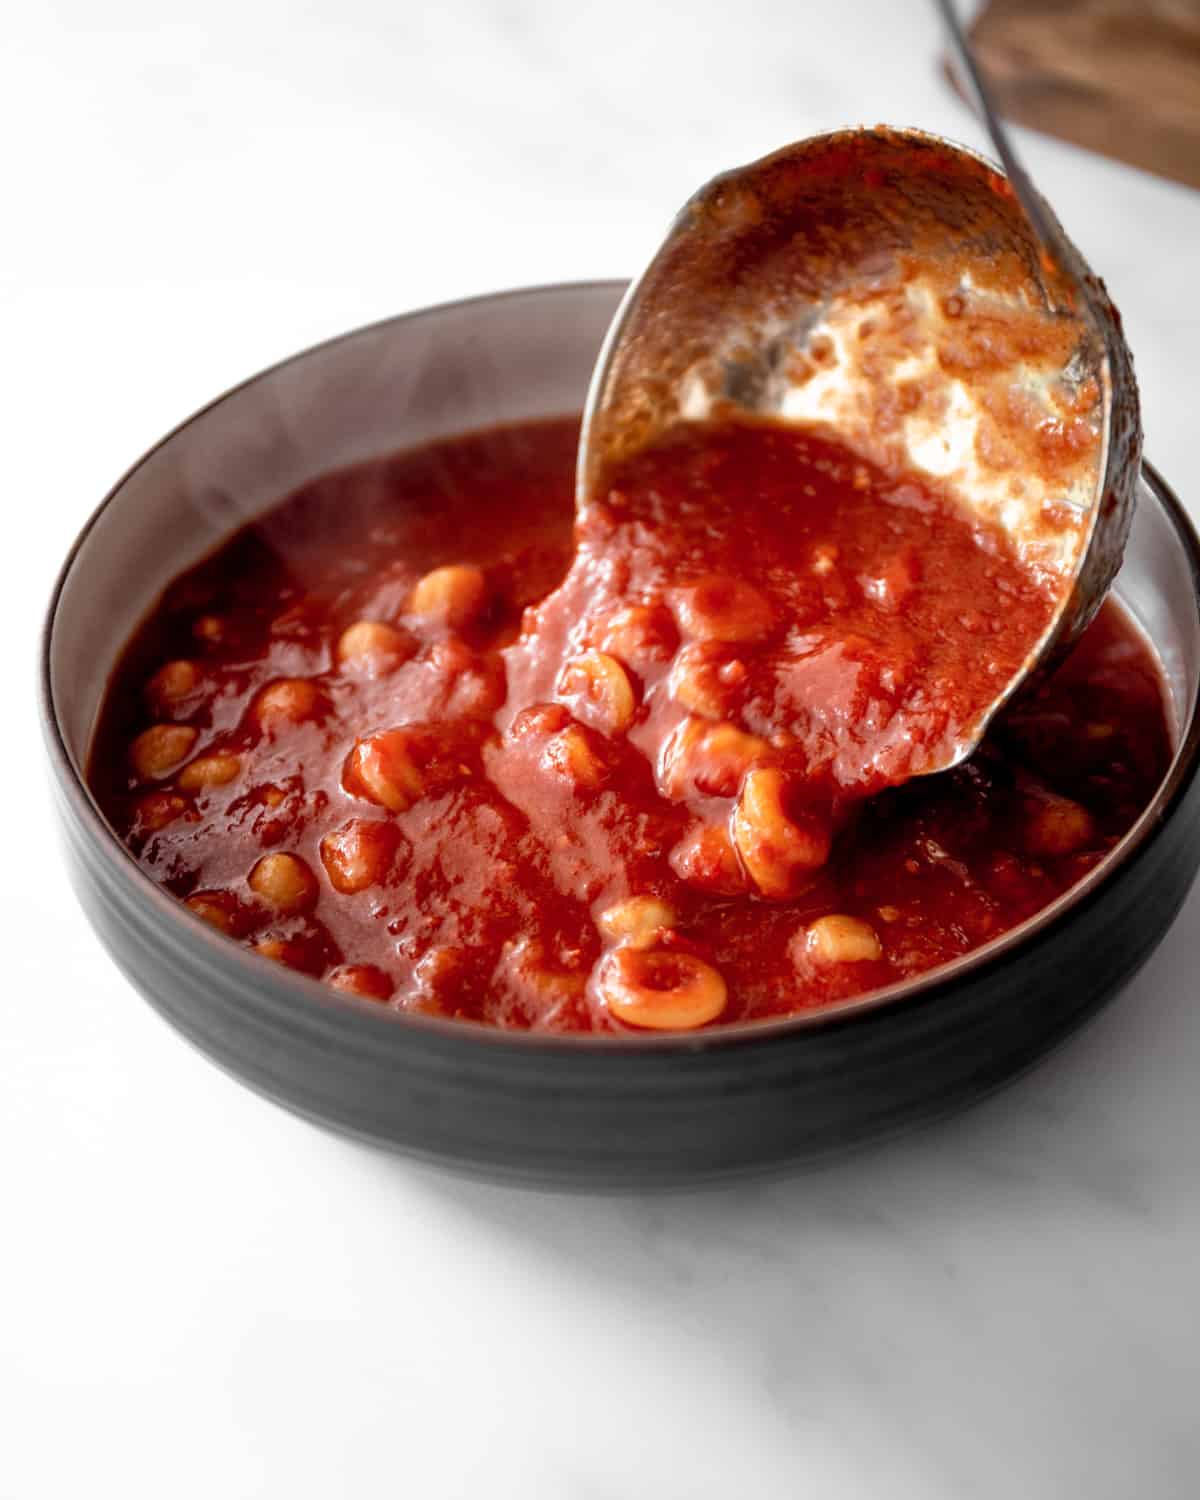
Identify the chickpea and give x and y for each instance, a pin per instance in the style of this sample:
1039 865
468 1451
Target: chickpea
217 769
172 684
706 858
537 720
362 979
711 758
440 975
1057 825
291 700
723 608
726 743
568 754
284 882
475 684
537 978
677 760
158 750
779 851
382 769
359 854
598 690
639 635
220 909
839 939
637 921
705 679
286 951
157 810
660 991
478 692
374 649
454 595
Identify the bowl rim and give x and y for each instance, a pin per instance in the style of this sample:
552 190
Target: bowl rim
324 1007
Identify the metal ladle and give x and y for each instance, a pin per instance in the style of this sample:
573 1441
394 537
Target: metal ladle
927 307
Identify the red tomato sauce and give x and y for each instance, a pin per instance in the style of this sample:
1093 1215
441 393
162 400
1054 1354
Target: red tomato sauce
414 734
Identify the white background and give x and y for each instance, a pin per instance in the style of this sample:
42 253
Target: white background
199 1295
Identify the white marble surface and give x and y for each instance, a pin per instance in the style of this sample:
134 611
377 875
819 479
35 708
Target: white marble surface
200 1296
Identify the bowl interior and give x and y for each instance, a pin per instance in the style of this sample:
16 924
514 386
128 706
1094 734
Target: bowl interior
518 355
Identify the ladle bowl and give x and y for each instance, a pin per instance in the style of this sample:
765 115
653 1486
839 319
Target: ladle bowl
888 285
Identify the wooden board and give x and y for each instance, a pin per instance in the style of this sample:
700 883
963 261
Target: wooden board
1121 77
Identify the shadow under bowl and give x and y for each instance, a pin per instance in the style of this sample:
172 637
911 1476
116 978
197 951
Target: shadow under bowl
596 1111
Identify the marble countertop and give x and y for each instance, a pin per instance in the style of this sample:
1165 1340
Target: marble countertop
202 1296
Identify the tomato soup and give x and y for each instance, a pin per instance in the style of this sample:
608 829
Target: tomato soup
418 734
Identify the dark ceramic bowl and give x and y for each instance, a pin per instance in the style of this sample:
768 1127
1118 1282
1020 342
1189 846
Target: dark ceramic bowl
593 1110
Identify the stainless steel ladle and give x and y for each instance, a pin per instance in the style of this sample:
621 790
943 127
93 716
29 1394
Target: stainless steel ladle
925 305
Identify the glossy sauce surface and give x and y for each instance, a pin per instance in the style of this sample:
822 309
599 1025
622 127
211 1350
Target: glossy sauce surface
404 734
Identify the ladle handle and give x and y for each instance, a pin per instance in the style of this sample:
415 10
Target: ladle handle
1045 226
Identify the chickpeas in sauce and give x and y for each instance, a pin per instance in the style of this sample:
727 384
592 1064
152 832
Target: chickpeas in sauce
414 734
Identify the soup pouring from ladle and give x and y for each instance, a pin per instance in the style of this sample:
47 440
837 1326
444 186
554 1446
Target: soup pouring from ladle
927 307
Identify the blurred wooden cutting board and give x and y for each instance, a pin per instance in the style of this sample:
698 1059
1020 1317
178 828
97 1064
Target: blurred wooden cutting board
1119 76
